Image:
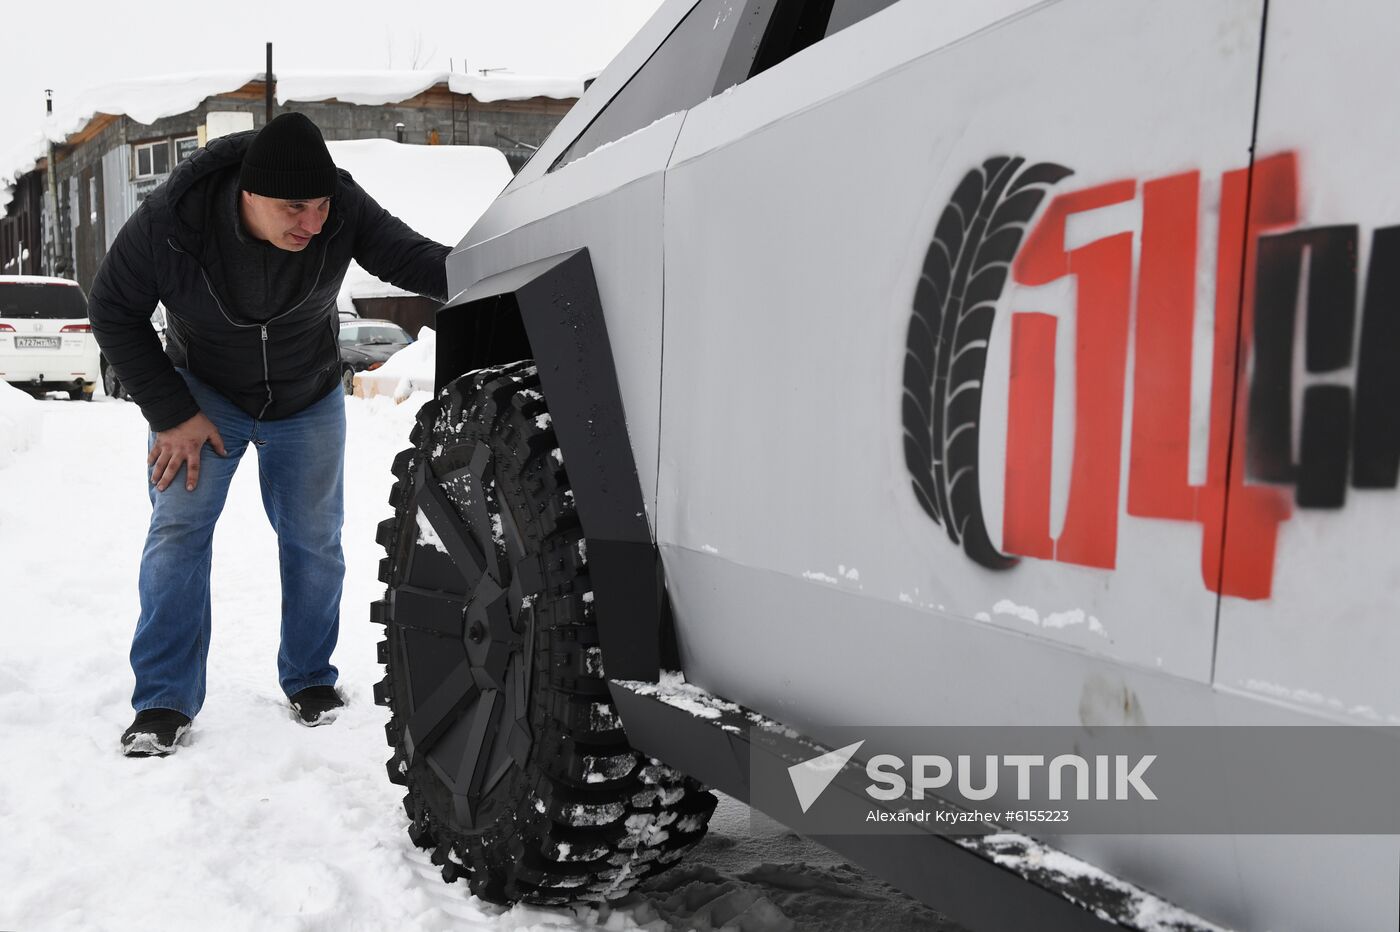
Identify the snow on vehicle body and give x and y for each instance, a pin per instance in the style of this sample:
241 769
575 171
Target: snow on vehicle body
46 343
1129 461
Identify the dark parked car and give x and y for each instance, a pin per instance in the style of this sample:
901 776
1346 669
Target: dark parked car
366 345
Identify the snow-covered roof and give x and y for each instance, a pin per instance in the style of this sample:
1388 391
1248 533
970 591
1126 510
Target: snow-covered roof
35 280
440 191
146 100
383 87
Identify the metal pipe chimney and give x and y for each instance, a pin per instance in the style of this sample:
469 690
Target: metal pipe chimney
268 81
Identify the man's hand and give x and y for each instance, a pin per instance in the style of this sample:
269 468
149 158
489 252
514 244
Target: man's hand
181 445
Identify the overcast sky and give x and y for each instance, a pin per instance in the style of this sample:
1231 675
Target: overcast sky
79 44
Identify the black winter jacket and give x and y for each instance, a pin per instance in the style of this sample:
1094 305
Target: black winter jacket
270 369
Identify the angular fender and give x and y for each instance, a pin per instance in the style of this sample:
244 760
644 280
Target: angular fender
550 310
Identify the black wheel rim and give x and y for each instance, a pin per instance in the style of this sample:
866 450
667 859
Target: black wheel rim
472 727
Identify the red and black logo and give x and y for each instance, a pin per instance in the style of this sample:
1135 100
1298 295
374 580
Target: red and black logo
1288 370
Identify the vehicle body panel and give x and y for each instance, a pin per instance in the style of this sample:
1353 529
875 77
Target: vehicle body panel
1324 604
611 203
1324 645
794 215
813 307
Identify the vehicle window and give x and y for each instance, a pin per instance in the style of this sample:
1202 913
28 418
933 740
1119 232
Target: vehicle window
680 74
41 301
846 12
382 333
719 44
743 48
797 24
373 334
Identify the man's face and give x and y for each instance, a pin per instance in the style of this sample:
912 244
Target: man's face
285 224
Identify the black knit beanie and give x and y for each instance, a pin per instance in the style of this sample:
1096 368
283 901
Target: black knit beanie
288 159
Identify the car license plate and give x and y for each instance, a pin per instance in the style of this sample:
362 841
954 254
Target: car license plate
37 342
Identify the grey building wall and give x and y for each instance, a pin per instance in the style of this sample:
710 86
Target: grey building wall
80 176
119 201
65 212
346 121
80 158
517 128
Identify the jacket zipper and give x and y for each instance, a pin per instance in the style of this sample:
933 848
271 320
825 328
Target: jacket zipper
267 372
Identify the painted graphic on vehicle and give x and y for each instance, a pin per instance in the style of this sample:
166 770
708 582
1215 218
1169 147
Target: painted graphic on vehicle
1273 445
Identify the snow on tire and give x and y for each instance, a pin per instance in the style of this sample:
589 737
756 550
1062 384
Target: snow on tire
519 776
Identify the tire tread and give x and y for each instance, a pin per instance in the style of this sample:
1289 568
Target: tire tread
587 817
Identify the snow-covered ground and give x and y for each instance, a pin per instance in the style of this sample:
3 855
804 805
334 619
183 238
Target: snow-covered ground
261 824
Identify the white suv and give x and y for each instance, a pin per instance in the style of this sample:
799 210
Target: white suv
46 342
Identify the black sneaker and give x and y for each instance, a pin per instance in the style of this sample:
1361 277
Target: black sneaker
155 733
317 705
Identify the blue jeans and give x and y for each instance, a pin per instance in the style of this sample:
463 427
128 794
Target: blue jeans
301 462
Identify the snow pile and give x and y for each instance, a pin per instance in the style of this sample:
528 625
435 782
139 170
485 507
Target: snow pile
20 422
146 100
503 85
437 190
440 191
268 825
409 371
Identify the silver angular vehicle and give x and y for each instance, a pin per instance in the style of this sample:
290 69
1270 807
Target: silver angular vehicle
888 362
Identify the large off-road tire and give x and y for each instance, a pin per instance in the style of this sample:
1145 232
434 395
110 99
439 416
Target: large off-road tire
519 776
